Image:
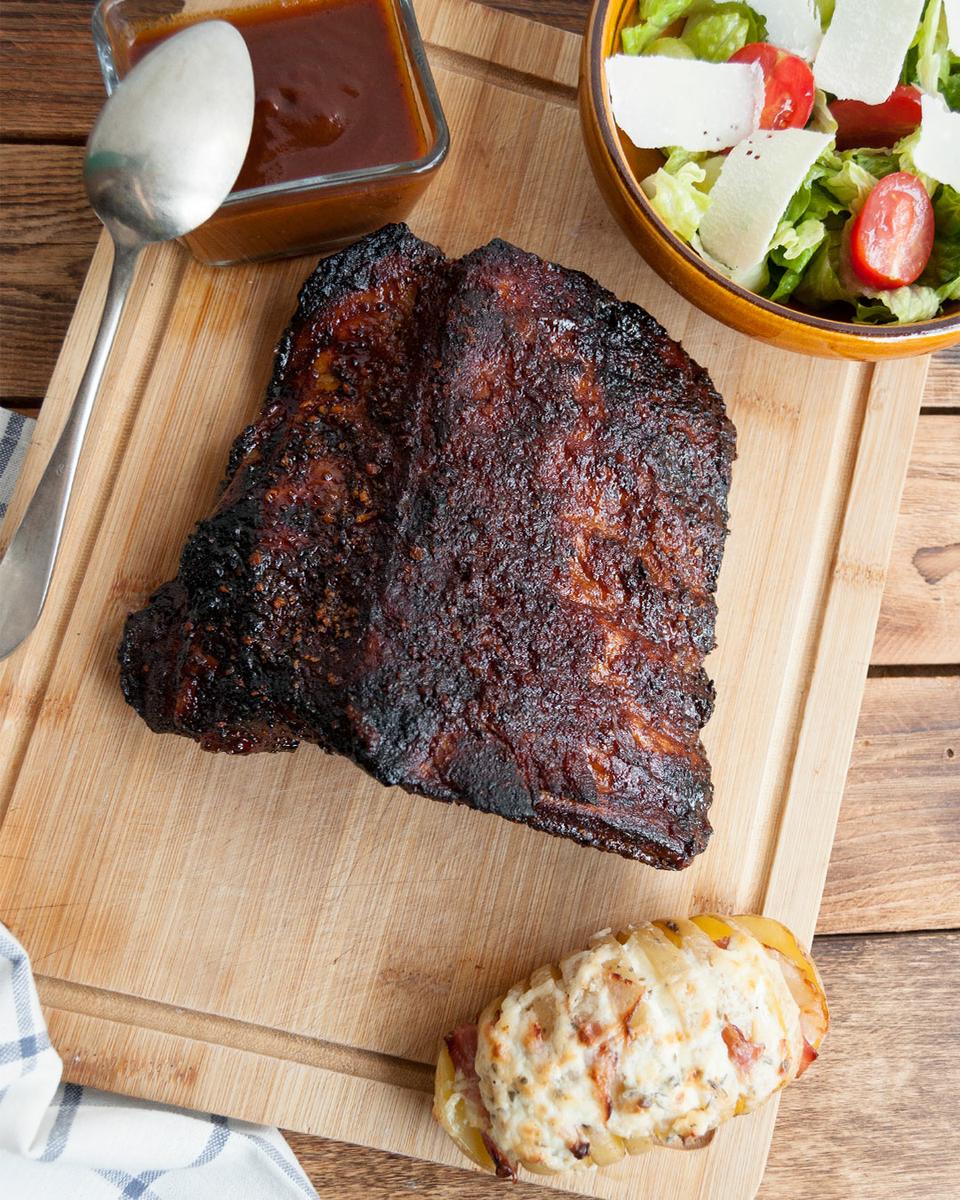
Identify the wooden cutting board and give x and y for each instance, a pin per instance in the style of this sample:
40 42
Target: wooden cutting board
281 939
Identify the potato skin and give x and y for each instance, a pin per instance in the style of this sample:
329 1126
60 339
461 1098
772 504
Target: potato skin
470 1125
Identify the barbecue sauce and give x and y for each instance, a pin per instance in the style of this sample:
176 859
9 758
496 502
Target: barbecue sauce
333 92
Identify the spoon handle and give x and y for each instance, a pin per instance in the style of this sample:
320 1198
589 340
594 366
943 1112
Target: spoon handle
27 566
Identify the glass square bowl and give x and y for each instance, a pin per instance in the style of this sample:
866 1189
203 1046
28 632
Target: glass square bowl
299 216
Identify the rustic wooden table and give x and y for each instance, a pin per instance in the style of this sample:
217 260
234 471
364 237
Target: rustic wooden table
876 1117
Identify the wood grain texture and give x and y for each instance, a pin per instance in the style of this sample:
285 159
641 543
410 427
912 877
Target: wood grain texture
943 382
850 599
50 85
359 904
892 1020
841 1134
563 14
50 89
47 237
920 617
896 855
895 848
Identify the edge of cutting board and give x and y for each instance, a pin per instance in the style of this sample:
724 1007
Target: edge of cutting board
198 1060
165 1053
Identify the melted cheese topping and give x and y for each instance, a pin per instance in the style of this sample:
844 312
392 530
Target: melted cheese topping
662 1035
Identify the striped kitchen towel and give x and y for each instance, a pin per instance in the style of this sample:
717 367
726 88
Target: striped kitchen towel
65 1142
15 434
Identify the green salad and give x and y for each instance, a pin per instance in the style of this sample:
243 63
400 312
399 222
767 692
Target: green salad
867 228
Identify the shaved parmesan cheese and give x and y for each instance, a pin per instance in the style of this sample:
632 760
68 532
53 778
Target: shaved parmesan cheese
937 152
659 101
757 183
792 25
952 9
863 50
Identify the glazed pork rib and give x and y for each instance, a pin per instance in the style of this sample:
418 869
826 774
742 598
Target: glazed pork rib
471 542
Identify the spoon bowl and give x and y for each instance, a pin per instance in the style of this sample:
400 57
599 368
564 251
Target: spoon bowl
161 159
171 140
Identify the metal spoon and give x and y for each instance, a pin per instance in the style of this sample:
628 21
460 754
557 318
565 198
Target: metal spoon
161 159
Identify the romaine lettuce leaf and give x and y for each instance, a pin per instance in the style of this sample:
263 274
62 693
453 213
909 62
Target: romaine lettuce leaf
931 44
669 47
946 210
949 291
792 242
712 165
943 270
665 12
904 151
821 284
674 193
851 183
721 31
913 303
787 284
877 162
792 249
810 199
951 85
929 62
824 204
822 119
677 157
713 31
654 16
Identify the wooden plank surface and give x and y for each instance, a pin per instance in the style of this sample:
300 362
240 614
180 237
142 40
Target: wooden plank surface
943 382
894 864
50 85
814 502
896 856
919 618
48 237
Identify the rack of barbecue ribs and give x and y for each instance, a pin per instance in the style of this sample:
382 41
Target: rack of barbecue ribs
472 543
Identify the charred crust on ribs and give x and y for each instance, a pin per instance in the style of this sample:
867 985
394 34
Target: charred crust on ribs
472 542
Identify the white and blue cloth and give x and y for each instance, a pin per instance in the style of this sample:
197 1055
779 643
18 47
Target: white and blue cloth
65 1142
15 432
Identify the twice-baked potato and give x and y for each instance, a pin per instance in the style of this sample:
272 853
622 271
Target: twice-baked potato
650 1037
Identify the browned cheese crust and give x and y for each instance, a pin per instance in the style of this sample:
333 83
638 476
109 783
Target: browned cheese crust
472 542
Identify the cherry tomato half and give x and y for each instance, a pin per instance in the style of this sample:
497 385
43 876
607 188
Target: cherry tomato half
788 85
877 125
892 235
